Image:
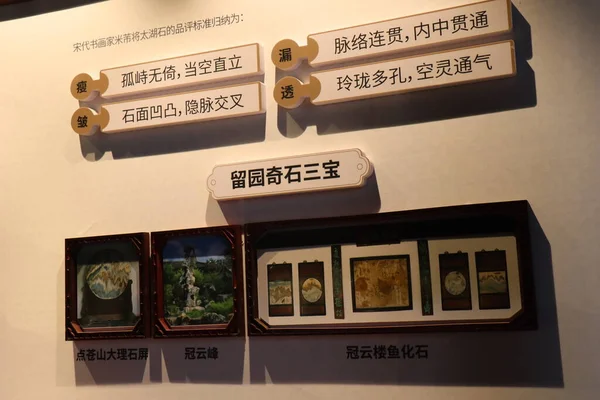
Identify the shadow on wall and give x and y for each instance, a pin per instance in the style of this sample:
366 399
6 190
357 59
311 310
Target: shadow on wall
175 139
186 361
29 8
228 368
517 358
424 106
112 362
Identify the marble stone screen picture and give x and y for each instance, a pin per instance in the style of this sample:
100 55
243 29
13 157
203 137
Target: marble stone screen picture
312 290
455 281
492 279
492 282
381 283
281 292
198 280
311 277
108 285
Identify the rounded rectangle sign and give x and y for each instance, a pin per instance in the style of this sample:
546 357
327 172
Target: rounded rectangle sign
307 173
427 71
178 72
451 25
183 108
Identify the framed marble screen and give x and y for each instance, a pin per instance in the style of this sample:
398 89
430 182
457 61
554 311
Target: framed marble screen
107 287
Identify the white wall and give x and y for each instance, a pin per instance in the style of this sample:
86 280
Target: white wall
544 150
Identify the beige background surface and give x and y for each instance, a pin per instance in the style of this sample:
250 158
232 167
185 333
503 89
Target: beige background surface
428 150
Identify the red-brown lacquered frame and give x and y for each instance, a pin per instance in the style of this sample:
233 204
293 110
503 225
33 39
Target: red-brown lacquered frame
490 219
236 326
74 331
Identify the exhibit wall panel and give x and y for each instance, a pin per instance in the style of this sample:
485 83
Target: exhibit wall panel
534 137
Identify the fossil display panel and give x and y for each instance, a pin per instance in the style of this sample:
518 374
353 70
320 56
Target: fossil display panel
437 269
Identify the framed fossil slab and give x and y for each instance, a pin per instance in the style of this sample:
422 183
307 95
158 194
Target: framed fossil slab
197 282
381 283
107 287
412 271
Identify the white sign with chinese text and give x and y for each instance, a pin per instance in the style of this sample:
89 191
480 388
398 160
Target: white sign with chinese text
195 69
422 72
466 65
450 25
218 103
307 173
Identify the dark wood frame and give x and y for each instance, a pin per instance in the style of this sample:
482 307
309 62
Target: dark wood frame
479 220
74 331
8 2
320 308
381 309
236 326
505 270
273 307
445 295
